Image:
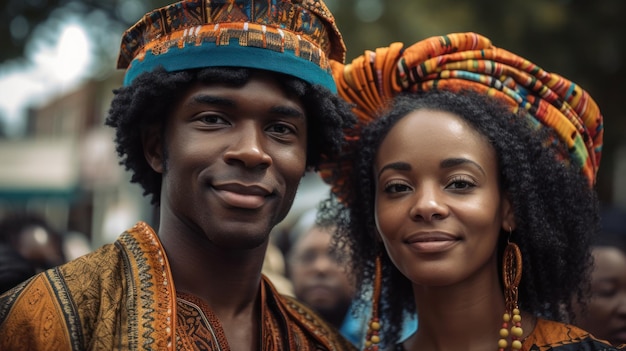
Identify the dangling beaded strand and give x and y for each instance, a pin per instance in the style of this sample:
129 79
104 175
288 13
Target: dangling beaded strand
372 339
512 274
515 333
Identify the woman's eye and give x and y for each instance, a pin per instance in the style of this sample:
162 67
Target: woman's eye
461 184
396 188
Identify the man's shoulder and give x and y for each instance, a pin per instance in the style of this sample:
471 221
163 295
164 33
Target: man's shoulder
81 278
67 301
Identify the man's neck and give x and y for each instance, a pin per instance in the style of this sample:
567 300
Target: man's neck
227 280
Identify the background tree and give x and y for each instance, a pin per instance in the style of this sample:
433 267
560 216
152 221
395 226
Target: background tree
581 39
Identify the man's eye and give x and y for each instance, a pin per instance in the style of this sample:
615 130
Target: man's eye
280 129
213 119
307 257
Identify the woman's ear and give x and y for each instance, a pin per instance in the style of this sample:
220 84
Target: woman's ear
508 215
152 141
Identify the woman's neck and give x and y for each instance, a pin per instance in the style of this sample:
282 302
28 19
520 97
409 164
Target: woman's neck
458 318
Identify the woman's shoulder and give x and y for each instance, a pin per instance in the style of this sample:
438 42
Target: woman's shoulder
557 336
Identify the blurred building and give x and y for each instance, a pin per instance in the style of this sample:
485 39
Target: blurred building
65 167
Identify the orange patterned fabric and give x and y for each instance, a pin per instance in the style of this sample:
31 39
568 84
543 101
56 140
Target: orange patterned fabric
122 297
554 336
298 38
460 61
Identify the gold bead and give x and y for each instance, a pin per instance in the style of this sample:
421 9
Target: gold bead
516 311
517 331
517 318
368 343
502 343
516 345
375 339
375 326
506 317
504 333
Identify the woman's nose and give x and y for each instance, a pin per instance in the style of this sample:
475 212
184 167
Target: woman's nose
429 204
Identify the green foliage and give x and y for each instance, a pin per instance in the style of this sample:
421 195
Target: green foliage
581 39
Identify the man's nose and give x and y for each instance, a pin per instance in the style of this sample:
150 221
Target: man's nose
248 149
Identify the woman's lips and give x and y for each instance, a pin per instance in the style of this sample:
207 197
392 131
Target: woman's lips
432 242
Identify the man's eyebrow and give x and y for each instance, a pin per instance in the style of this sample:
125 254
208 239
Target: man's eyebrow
453 162
227 102
211 99
287 111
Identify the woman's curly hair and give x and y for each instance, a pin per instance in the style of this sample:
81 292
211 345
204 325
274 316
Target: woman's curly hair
556 212
149 101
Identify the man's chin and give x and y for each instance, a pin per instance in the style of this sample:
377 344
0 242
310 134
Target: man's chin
322 304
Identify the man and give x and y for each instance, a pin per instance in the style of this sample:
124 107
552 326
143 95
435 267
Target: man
226 104
604 314
318 277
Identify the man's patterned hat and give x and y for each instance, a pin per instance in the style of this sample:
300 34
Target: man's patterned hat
295 37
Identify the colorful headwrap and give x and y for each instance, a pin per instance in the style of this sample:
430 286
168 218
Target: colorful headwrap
469 61
295 37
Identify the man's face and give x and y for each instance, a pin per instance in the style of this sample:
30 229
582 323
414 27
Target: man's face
605 316
318 279
232 161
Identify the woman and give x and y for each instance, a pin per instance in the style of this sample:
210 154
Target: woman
466 195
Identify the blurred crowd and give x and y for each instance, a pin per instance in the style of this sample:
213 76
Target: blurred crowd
301 263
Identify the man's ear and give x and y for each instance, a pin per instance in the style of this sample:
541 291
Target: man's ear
508 215
152 141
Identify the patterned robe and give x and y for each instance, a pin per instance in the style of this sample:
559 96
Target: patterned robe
122 297
554 336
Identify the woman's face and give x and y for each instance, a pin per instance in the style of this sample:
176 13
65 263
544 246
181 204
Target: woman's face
439 209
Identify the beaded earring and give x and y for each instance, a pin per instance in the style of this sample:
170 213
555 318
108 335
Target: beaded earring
511 274
372 338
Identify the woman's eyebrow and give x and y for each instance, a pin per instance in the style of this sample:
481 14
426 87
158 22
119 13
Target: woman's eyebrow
453 162
399 166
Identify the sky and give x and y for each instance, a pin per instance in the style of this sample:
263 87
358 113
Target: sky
48 70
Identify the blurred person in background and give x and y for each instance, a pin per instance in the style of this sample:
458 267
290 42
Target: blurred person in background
274 268
32 237
14 268
318 277
604 316
75 244
225 106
